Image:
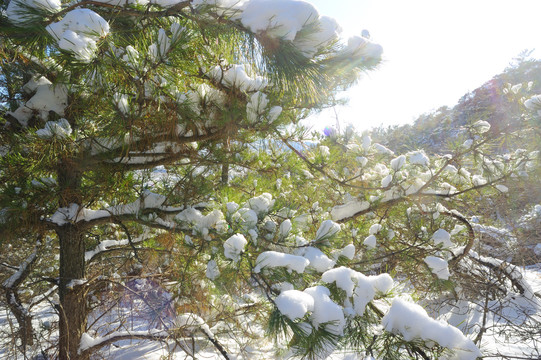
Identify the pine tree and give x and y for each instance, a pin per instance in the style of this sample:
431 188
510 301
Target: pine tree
97 94
151 152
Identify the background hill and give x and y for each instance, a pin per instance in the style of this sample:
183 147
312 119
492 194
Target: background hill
498 101
494 101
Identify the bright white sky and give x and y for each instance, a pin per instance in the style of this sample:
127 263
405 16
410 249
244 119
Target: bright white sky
435 51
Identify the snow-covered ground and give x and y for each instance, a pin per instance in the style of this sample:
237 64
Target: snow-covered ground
153 313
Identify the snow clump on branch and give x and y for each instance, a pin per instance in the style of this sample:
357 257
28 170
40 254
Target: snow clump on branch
412 322
234 246
18 10
59 129
47 97
534 103
78 32
295 21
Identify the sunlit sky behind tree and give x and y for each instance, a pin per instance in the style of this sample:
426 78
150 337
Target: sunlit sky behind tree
435 51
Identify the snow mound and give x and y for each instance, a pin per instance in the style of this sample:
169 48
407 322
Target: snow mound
294 304
327 229
47 97
19 15
441 236
234 246
318 260
286 20
273 259
349 209
362 289
78 32
326 310
59 129
438 266
412 322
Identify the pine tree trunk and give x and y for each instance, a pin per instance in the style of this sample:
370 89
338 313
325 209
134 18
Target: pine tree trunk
225 174
72 298
73 311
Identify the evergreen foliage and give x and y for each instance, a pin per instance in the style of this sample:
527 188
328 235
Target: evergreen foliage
151 154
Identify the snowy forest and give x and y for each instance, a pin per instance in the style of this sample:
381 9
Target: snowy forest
162 198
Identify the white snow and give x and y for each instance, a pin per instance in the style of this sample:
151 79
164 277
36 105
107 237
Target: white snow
343 277
285 228
481 126
232 207
212 270
273 259
361 288
246 217
318 260
438 266
348 251
9 282
78 32
270 226
124 2
121 102
398 162
231 8
324 151
278 18
257 109
362 160
237 76
370 241
502 188
326 310
76 282
327 229
200 222
374 229
419 158
534 103
467 144
192 322
441 236
382 149
382 283
165 3
284 19
19 15
364 49
294 304
478 180
261 204
234 246
324 31
412 322
366 142
386 181
104 245
47 97
59 129
350 208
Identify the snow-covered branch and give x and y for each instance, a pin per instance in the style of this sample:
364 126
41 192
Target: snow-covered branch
107 245
148 203
16 279
90 344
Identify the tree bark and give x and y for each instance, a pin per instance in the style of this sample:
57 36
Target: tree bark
73 310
